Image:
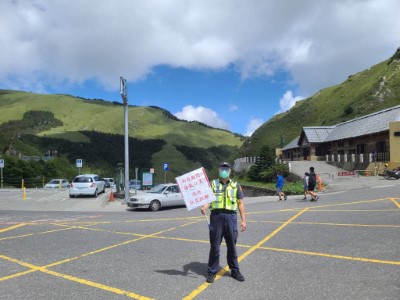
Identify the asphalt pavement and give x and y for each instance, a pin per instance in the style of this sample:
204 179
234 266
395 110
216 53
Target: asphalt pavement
345 246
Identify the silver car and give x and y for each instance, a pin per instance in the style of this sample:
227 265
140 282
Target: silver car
87 184
57 183
162 195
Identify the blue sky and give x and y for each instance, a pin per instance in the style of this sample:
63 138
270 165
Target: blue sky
231 64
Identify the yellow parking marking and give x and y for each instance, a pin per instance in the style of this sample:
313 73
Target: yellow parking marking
395 202
353 210
83 281
31 234
12 227
378 261
97 285
68 277
330 224
202 287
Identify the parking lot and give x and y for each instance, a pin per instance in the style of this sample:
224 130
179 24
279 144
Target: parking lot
345 246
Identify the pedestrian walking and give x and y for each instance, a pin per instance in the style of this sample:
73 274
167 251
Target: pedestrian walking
312 181
223 222
305 183
280 183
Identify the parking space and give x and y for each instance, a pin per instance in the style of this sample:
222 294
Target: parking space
342 247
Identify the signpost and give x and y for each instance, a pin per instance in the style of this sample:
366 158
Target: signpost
1 168
165 172
79 164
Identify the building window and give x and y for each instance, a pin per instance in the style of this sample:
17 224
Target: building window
361 148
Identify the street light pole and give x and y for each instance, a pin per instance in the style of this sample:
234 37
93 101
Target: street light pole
125 100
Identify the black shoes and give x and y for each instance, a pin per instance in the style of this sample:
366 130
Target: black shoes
285 198
237 275
210 278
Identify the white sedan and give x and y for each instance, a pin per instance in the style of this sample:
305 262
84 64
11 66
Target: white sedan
57 184
162 195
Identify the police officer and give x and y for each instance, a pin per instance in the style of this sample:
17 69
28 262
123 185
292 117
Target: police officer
223 221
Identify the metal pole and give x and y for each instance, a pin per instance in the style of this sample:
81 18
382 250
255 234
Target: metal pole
125 99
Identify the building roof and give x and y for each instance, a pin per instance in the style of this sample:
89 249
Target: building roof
293 144
317 134
369 124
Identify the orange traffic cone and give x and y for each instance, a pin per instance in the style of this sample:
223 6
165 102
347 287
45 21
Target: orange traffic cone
111 197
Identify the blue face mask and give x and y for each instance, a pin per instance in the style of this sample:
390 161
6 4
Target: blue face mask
224 174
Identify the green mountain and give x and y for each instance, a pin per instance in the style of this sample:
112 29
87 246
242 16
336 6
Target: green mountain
71 127
363 93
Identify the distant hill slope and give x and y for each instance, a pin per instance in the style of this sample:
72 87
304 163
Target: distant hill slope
363 93
75 119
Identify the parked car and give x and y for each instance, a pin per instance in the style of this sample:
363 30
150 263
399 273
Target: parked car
109 182
57 183
161 195
134 184
87 184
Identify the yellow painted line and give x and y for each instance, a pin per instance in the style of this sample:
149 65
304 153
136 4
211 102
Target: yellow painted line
330 224
349 203
203 286
31 234
353 210
395 202
17 275
68 277
97 285
109 247
12 227
165 219
389 262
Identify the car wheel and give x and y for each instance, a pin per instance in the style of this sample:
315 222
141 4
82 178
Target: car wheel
95 193
155 205
72 196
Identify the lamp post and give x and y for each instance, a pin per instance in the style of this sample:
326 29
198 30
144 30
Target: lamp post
126 137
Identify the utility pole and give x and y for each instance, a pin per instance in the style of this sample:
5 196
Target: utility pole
125 100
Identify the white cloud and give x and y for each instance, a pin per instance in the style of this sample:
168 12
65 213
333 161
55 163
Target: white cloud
233 107
253 125
68 42
202 114
288 101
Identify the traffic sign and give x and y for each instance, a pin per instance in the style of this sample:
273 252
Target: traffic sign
79 163
1 163
165 166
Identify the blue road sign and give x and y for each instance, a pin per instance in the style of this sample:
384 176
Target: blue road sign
79 163
165 166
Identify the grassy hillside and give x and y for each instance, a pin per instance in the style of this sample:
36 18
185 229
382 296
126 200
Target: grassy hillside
363 93
75 118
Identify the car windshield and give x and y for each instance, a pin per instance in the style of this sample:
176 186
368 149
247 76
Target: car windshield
158 189
55 181
83 179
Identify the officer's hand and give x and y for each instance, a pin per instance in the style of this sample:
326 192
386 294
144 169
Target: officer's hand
243 226
203 210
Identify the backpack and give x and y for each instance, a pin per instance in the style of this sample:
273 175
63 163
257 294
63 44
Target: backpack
311 179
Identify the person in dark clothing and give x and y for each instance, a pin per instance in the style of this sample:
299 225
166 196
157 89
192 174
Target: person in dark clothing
312 181
223 222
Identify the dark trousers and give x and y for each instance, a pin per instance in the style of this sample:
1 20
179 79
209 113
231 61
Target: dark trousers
223 225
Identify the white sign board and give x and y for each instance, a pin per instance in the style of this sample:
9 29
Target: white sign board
79 163
195 188
1 163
